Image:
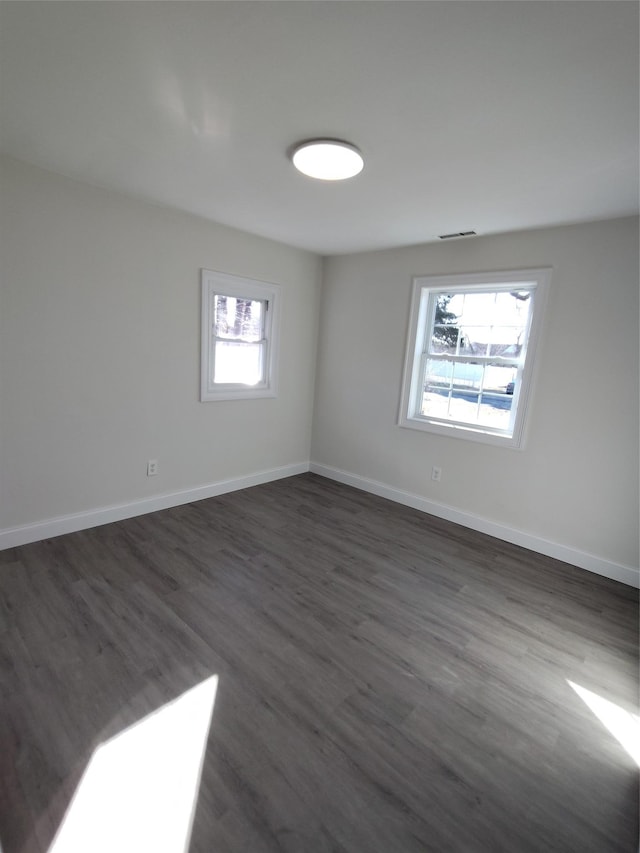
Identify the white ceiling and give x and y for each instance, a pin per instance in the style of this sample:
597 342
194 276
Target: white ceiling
491 116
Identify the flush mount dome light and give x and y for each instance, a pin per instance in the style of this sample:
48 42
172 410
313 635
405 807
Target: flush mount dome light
327 159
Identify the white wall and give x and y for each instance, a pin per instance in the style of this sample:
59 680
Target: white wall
99 371
99 351
576 481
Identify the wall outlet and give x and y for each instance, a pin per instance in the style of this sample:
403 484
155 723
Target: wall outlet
152 467
436 474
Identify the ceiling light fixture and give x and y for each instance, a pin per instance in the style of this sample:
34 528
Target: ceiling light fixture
327 159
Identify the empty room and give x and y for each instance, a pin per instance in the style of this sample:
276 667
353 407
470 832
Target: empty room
319 350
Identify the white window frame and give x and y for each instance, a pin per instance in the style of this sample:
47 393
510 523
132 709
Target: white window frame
421 320
224 284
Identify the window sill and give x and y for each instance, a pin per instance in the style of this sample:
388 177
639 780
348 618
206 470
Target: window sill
236 394
467 433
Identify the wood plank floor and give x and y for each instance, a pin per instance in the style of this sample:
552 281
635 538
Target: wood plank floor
388 681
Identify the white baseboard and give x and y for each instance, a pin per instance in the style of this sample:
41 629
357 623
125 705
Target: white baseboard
598 565
14 536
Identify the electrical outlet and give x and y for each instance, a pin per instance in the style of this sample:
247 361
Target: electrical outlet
436 474
152 467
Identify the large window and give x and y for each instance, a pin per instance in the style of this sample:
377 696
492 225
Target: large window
470 354
239 328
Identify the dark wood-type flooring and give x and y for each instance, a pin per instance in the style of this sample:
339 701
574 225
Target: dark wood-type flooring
388 682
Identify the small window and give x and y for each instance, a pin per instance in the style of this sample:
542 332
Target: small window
470 354
238 337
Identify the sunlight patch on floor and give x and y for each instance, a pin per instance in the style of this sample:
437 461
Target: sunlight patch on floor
625 727
140 789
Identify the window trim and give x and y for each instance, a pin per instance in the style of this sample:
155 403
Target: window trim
213 284
422 287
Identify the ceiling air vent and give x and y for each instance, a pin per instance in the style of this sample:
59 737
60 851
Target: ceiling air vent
457 234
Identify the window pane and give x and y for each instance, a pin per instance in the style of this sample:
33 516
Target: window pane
469 393
495 411
445 333
238 363
482 324
499 380
450 404
467 407
439 373
238 319
510 324
468 377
